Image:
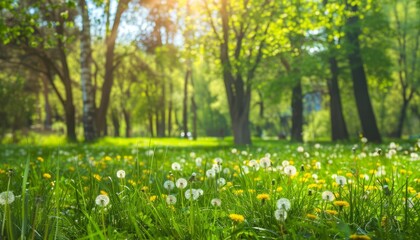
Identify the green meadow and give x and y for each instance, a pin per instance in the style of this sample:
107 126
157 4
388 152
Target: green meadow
208 189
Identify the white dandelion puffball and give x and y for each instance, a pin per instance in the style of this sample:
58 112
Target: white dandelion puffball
226 171
283 203
192 193
290 170
218 160
198 161
328 196
211 173
265 162
280 214
341 180
120 174
285 163
221 182
171 199
181 183
7 197
245 169
216 202
176 166
168 185
102 200
300 149
364 140
217 168
254 164
318 165
192 154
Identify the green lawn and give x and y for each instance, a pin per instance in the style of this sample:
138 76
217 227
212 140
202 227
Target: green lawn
207 189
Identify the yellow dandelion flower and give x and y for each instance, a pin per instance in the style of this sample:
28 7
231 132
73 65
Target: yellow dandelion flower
331 212
40 159
145 188
257 179
229 184
418 195
132 182
2 171
238 192
321 181
318 210
108 158
291 162
341 203
152 198
102 192
372 171
263 196
311 216
411 190
359 237
312 186
279 189
251 190
46 176
236 217
97 177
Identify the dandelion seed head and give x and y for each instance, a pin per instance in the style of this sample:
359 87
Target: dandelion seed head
265 162
280 214
176 166
171 199
283 203
211 173
7 197
290 170
121 174
328 196
181 183
102 200
169 185
216 202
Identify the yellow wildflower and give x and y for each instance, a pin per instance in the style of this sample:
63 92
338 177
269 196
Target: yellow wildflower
153 198
145 188
331 212
341 203
263 196
40 159
359 237
251 190
46 175
236 217
102 192
311 216
279 189
97 177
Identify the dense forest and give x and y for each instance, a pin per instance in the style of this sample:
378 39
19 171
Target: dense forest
292 69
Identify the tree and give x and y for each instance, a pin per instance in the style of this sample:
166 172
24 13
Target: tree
241 40
360 87
110 41
406 26
41 36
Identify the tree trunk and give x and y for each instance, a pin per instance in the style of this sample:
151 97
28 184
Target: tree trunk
360 88
86 76
297 113
109 67
47 106
401 119
185 104
171 90
338 124
70 121
194 112
115 122
66 79
127 119
161 110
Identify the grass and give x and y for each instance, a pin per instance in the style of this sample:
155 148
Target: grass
56 189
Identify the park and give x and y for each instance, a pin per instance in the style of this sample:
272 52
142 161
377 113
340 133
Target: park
198 119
